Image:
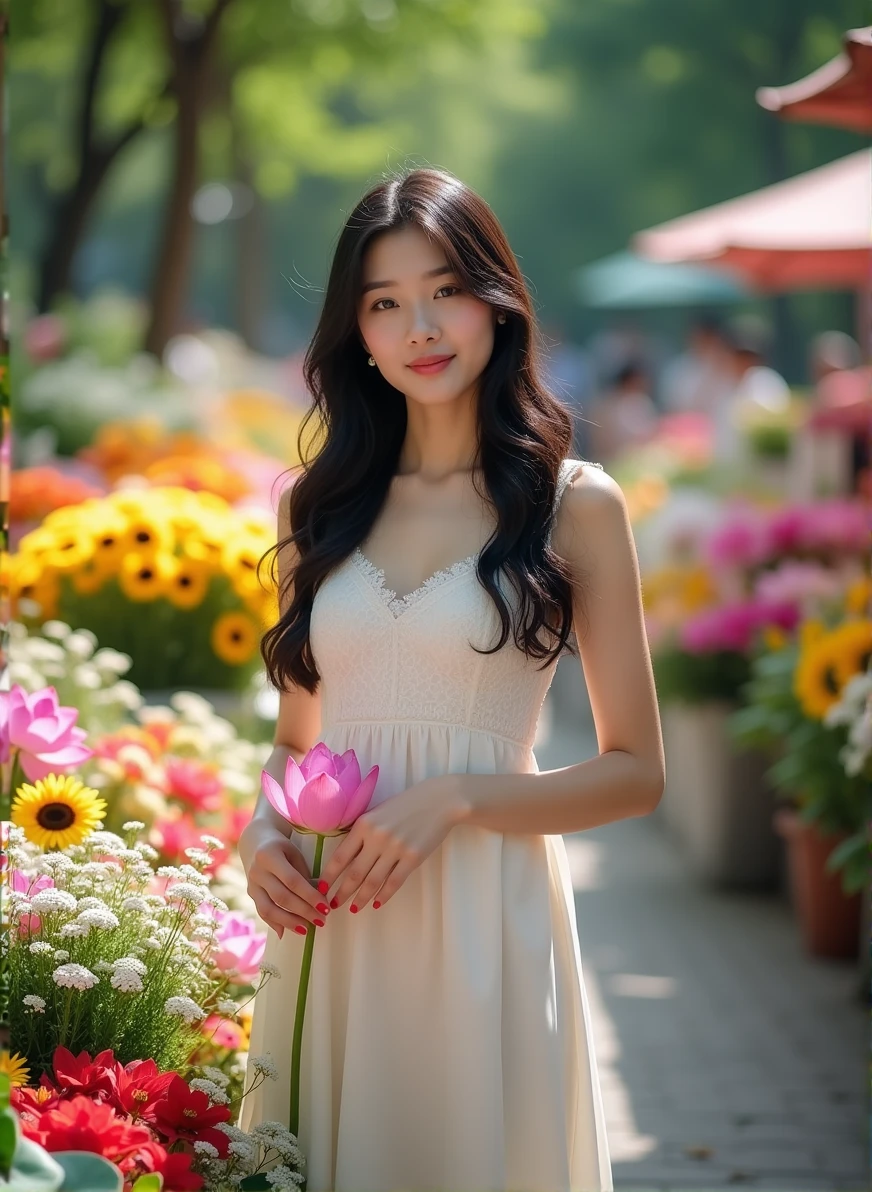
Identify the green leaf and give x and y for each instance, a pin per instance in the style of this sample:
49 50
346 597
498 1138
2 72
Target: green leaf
9 1134
255 1182
5 1088
85 1172
34 1169
153 1182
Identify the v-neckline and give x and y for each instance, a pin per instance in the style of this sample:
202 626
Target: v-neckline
399 604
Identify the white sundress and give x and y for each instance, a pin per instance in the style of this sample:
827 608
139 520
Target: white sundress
447 1042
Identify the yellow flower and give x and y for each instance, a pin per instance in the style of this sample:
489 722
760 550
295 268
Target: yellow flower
810 632
189 582
145 577
71 549
57 811
31 581
89 578
774 638
234 638
851 649
815 681
145 534
15 1068
858 599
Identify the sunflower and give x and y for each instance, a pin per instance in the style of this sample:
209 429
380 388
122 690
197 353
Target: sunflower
147 534
57 811
852 649
189 582
815 681
31 581
234 638
110 544
858 599
145 577
72 547
15 1068
89 578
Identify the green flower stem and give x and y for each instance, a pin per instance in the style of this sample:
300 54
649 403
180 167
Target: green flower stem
302 993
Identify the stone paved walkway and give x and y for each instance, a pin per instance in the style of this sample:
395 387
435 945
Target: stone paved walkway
727 1056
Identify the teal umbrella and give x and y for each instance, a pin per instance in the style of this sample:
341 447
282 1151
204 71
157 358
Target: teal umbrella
624 281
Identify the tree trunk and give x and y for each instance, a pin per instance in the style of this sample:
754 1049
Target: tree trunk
250 293
170 280
71 211
190 49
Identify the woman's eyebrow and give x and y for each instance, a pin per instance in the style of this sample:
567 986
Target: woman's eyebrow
380 285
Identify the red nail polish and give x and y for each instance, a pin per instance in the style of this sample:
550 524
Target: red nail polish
334 903
323 887
323 908
318 922
300 929
376 905
353 909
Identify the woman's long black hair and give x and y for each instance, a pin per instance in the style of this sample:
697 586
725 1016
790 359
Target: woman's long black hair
524 432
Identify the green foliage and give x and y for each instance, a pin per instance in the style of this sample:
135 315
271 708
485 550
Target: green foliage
808 767
695 678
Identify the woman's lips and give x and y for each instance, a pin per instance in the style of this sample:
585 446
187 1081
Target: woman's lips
426 369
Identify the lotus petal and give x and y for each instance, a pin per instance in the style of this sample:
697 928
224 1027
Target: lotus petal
360 800
319 760
276 796
348 772
295 780
322 803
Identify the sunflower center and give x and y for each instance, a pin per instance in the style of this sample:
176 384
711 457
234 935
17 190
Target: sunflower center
54 817
146 573
143 536
831 683
236 636
107 540
184 581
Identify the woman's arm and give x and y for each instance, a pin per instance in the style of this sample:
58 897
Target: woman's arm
593 535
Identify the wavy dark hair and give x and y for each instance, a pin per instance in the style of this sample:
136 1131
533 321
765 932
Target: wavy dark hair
524 431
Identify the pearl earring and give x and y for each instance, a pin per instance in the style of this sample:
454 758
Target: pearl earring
501 318
371 362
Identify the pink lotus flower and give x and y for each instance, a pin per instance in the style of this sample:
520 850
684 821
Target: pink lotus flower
239 946
22 884
41 731
324 794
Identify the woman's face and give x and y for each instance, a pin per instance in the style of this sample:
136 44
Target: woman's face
404 314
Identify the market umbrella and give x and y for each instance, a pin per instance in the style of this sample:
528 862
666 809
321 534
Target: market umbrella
624 281
808 232
838 93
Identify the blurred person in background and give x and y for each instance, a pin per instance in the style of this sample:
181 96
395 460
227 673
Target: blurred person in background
701 377
843 398
625 415
756 387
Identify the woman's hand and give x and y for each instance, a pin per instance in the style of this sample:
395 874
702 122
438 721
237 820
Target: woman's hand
279 881
386 843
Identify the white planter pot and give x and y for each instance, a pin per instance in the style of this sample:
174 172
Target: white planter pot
717 803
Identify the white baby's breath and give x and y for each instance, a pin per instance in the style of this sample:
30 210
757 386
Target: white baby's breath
184 1007
53 901
39 948
34 1003
264 1064
75 976
126 981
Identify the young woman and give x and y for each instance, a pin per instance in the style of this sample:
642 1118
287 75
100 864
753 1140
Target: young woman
436 556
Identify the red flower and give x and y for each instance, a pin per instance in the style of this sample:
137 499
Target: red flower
81 1124
193 783
186 1113
33 1101
175 835
175 1168
79 1074
139 1084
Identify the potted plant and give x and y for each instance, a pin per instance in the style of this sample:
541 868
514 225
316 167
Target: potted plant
797 701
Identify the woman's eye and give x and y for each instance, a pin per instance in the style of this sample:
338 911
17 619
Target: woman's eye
378 305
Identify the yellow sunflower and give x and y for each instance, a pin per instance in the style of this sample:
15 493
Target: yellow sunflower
71 549
89 578
234 638
147 534
815 682
852 649
189 582
57 811
15 1068
858 599
31 581
145 577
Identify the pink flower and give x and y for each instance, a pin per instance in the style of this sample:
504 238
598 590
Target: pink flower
799 582
223 1032
22 884
193 782
822 527
740 541
239 945
732 627
324 794
42 731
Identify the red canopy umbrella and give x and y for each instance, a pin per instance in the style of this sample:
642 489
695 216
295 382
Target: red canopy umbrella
813 231
838 93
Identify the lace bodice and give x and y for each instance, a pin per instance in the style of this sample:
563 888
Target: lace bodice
384 658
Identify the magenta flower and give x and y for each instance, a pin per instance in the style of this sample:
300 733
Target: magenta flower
22 884
238 945
324 794
733 627
740 541
41 731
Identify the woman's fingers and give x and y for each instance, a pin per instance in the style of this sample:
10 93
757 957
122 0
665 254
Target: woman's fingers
395 878
370 888
280 907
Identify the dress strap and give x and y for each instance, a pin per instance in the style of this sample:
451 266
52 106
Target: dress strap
569 469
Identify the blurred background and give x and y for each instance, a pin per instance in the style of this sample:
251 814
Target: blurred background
687 187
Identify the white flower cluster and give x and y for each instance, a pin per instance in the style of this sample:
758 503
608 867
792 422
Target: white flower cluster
269 1148
854 709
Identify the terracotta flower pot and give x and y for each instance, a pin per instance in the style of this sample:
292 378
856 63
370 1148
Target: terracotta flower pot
829 919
